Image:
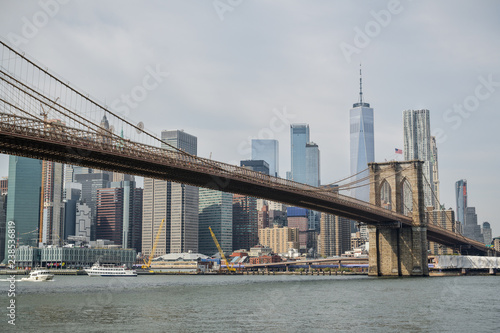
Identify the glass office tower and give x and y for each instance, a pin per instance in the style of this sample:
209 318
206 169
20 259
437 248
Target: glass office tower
267 150
216 211
23 204
362 145
299 134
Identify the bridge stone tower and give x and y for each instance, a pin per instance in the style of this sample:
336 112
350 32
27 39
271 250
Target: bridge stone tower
397 249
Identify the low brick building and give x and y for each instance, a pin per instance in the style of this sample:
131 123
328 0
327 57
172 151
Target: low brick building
265 259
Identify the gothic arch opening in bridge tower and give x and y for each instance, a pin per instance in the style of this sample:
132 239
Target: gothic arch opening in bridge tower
385 195
406 198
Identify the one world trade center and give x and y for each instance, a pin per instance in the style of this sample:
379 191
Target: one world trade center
362 146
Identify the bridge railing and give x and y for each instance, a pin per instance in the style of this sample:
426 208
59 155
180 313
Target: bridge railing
106 142
459 237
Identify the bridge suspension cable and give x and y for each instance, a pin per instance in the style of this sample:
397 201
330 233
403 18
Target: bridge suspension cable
459 233
351 185
448 218
43 84
341 180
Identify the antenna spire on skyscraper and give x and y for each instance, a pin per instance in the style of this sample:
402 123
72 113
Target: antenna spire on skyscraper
360 86
360 103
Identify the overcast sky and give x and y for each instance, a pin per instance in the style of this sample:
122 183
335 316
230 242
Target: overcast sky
247 69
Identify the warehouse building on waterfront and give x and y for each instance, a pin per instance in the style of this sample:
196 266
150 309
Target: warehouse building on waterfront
72 257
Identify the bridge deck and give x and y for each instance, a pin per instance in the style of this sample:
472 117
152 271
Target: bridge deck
33 138
37 139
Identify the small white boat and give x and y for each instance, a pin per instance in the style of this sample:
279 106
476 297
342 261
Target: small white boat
109 270
39 275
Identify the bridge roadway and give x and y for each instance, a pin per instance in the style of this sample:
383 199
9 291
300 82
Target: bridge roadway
36 139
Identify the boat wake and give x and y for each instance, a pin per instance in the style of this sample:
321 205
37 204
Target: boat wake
21 280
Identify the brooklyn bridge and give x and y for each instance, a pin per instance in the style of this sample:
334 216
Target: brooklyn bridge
44 117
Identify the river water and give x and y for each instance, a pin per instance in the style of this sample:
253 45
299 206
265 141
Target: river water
254 303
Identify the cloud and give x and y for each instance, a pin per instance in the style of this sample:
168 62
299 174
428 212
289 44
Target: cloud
227 76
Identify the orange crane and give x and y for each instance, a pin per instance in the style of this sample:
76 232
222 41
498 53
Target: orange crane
229 268
148 263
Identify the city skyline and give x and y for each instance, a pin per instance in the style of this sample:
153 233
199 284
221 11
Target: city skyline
246 88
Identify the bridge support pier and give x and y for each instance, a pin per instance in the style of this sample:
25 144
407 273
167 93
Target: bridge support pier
398 251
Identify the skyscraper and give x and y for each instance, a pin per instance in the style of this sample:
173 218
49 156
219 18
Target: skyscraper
23 204
73 170
184 218
121 177
184 198
109 221
72 197
91 182
84 220
155 208
174 202
312 164
461 197
435 169
487 234
417 146
256 165
216 211
472 229
245 230
135 233
362 144
180 140
68 174
53 207
132 215
305 164
299 218
262 217
335 236
299 134
362 150
119 214
267 150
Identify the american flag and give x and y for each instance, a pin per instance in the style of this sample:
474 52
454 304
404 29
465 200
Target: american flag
399 151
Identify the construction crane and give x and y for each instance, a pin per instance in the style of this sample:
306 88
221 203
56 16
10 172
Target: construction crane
148 263
229 268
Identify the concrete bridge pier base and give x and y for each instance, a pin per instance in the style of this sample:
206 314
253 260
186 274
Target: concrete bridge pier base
398 251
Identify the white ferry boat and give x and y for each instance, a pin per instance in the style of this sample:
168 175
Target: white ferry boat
109 270
39 275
